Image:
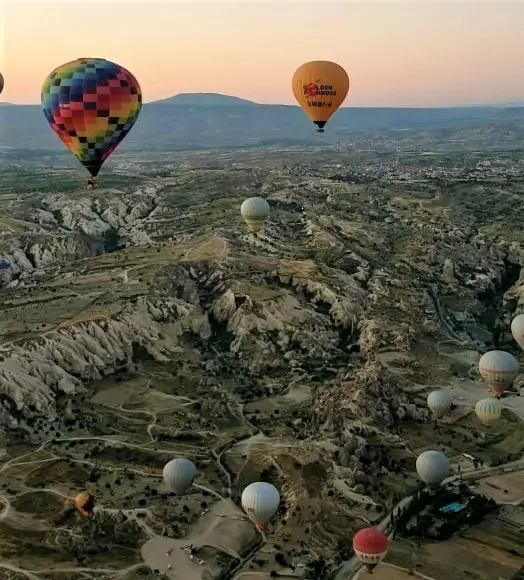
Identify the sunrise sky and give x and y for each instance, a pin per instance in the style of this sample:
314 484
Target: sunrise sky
398 53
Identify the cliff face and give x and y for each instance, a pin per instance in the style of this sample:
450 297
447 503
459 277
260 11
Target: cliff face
298 319
67 229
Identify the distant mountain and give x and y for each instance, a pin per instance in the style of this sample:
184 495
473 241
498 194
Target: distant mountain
204 100
189 121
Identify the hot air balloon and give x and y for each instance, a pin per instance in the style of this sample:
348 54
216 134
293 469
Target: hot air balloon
179 474
488 411
91 104
260 500
1 83
439 402
432 467
370 546
498 368
85 503
255 211
320 87
517 330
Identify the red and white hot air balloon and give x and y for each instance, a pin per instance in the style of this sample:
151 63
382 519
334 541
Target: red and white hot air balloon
370 546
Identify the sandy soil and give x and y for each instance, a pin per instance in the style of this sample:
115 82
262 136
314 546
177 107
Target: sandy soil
494 487
213 247
168 556
456 559
252 576
223 527
385 572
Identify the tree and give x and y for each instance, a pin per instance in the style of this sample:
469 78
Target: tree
111 240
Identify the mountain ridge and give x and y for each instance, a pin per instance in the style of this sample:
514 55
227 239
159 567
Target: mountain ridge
213 99
193 120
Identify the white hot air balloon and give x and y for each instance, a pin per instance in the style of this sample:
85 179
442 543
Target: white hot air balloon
179 474
260 501
432 467
517 330
488 411
498 368
439 402
255 211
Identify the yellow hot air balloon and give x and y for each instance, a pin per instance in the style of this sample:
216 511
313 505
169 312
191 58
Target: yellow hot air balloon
320 87
85 503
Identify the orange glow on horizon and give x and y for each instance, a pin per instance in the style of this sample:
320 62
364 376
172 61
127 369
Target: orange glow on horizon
417 53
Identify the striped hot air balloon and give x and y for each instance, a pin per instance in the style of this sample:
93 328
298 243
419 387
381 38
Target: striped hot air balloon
488 411
255 211
498 368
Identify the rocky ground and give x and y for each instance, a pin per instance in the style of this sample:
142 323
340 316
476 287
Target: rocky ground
304 353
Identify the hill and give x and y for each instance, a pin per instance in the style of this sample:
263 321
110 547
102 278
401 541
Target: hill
205 100
195 121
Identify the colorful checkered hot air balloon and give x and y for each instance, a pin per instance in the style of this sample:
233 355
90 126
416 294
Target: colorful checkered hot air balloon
91 104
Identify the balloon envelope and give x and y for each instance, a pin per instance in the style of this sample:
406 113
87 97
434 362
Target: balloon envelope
91 104
517 330
439 402
255 211
260 500
498 368
179 474
320 87
370 545
85 503
488 411
432 467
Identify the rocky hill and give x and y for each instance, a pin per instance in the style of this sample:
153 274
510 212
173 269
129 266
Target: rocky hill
319 337
320 291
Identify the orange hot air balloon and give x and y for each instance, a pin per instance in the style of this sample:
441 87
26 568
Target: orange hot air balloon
85 503
320 87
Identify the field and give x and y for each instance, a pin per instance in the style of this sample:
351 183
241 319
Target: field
477 553
507 488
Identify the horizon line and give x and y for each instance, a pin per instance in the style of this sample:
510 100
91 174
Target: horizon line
499 104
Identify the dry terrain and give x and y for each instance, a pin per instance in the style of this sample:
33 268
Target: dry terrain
141 322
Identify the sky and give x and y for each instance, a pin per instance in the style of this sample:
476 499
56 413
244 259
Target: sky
397 53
